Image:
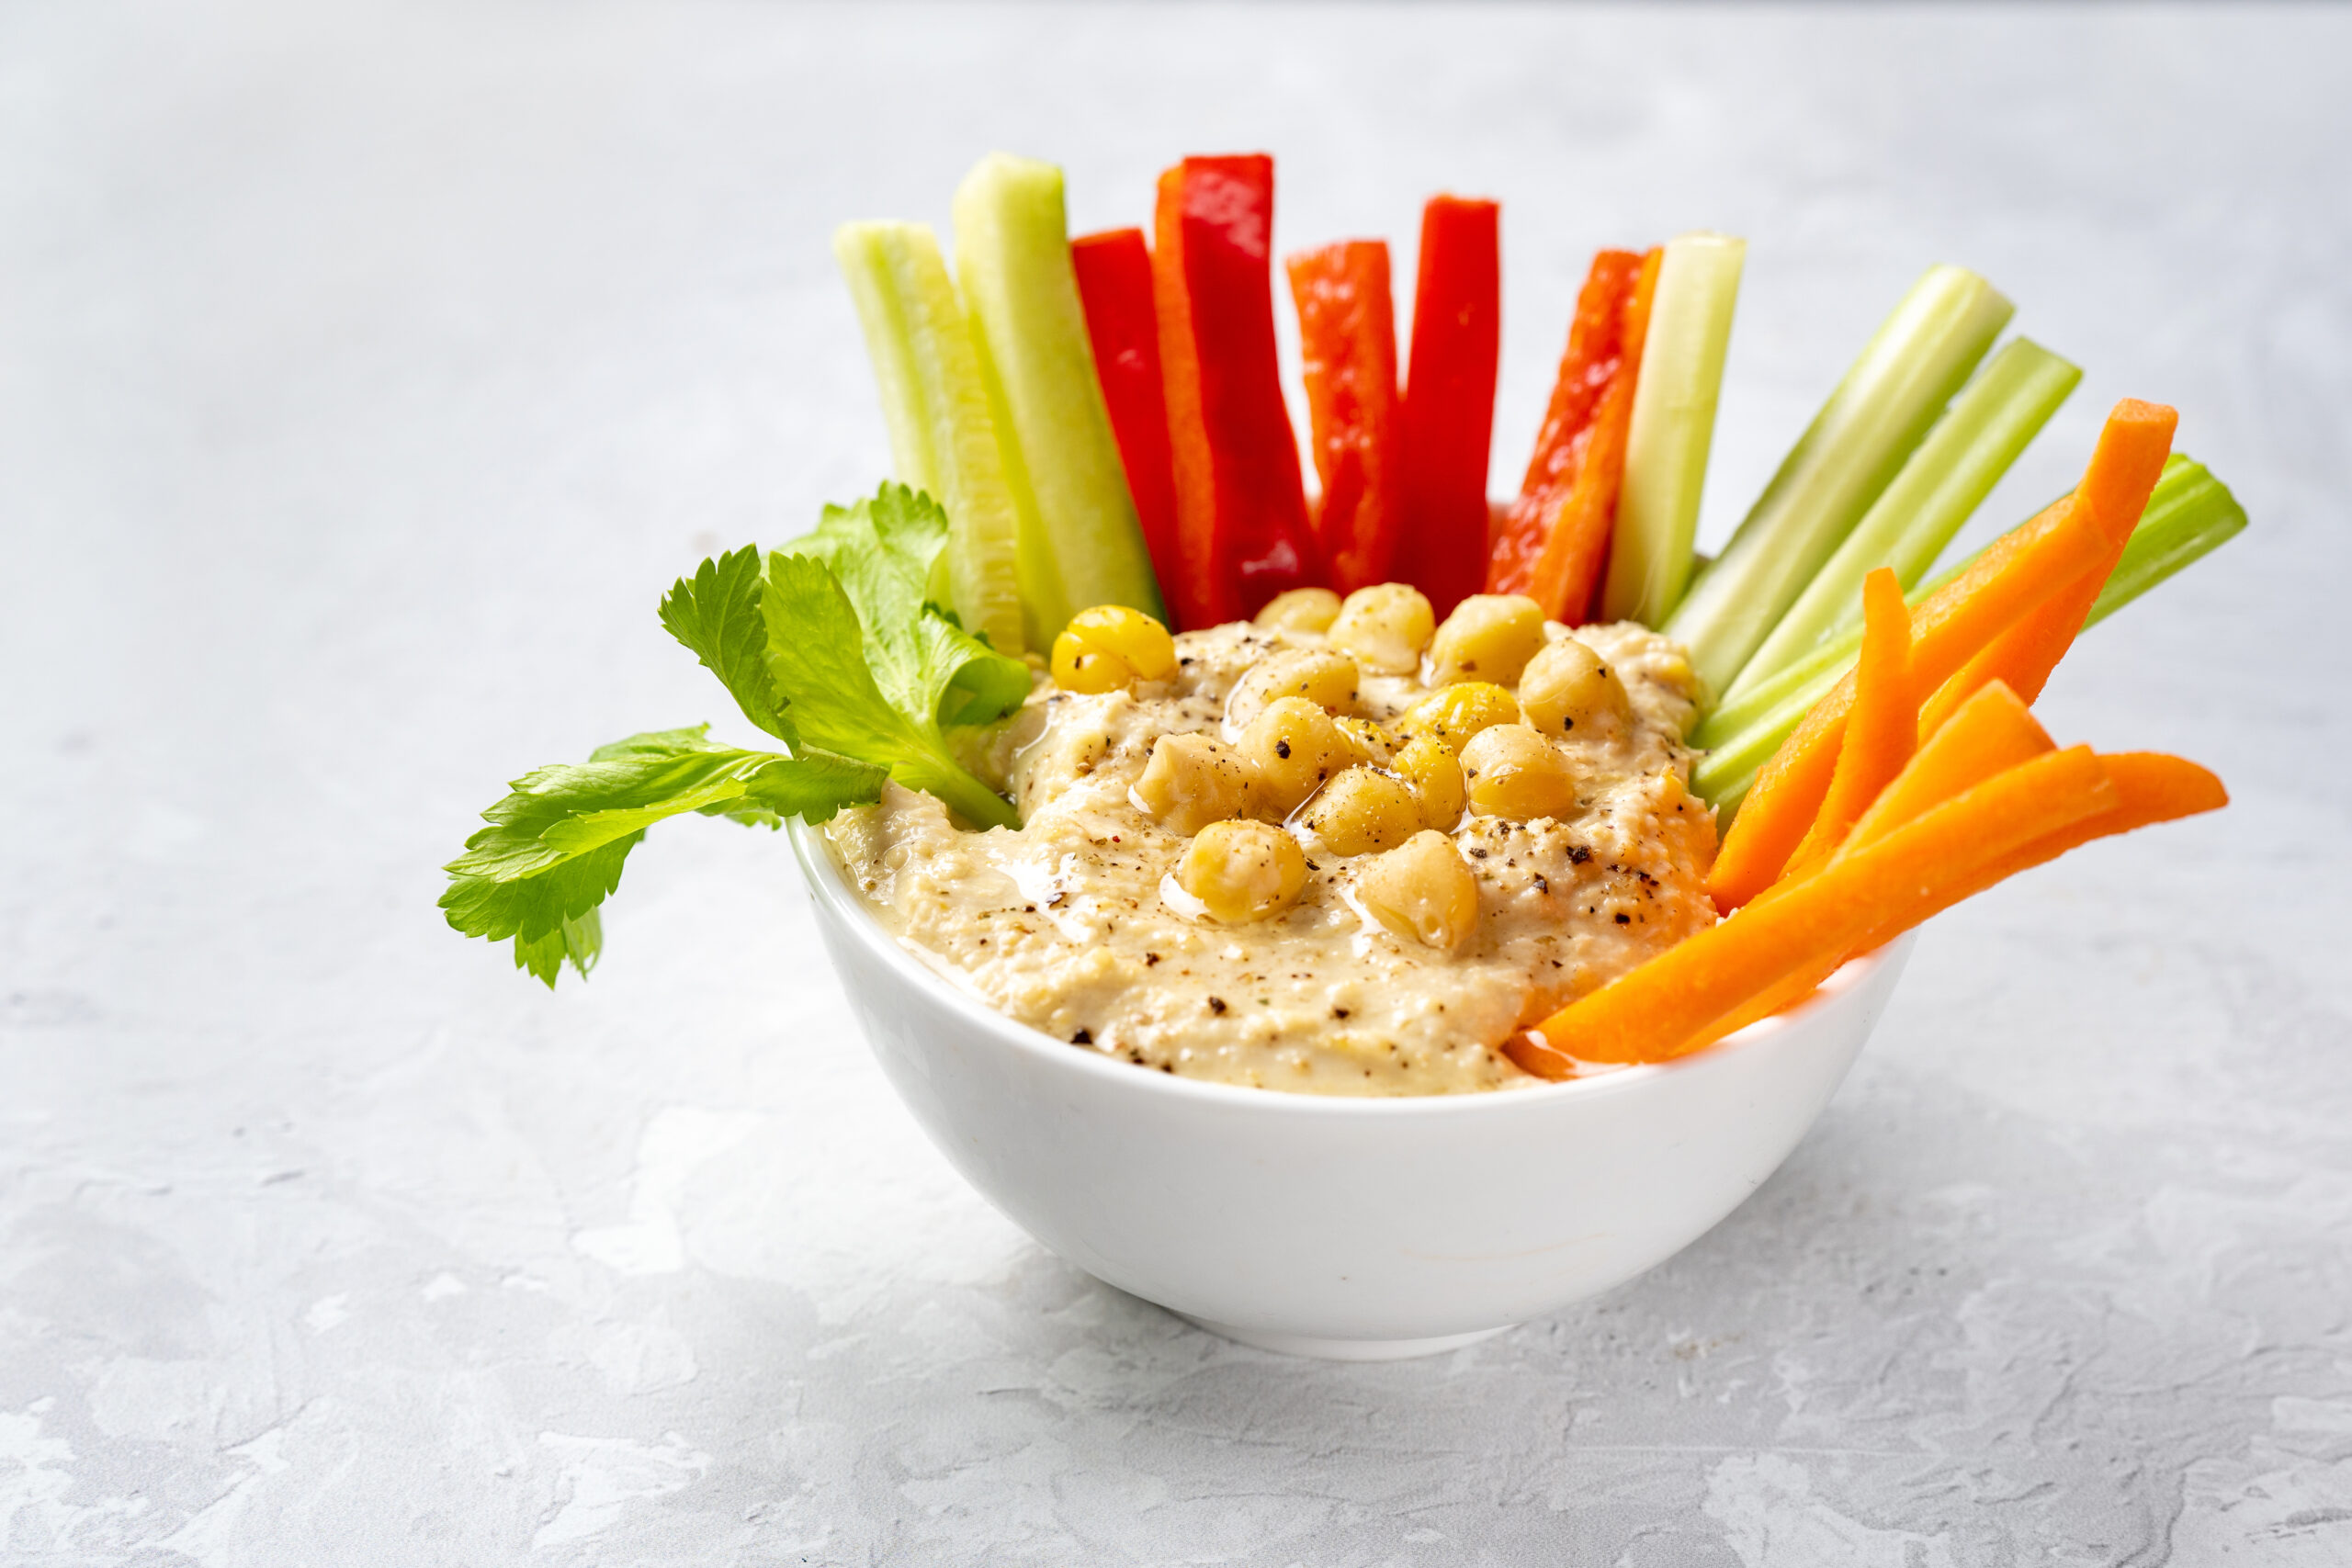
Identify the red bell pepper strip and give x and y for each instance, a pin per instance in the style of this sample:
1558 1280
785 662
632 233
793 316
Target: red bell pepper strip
1449 403
1114 286
1554 544
1347 329
1241 524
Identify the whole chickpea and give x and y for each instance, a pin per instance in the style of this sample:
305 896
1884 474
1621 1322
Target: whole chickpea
1453 714
1362 810
1291 747
1301 610
1372 746
1567 690
1422 891
1242 872
1490 637
1324 676
1109 647
1191 781
1436 777
1515 772
1386 626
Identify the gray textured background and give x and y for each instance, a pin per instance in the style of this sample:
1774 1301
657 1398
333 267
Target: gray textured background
366 372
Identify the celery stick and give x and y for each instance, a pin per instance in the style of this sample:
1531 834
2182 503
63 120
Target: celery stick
1908 526
1672 426
1733 719
1909 370
2201 517
1012 256
1723 775
2190 515
942 438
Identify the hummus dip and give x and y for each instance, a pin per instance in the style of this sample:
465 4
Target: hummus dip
1076 922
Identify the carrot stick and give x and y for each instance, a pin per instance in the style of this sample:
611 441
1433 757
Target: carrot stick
1883 730
1993 730
2150 787
1991 734
2022 657
1649 1014
1532 1053
1780 996
2014 574
1554 544
2026 653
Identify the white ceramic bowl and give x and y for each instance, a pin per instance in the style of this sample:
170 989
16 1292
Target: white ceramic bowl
1362 1229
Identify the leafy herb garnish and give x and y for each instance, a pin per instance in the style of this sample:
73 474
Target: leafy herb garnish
835 650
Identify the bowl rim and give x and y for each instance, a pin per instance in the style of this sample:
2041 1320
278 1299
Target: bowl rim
828 883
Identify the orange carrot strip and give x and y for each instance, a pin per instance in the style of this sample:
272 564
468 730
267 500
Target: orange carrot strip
1881 733
2150 787
2014 574
1780 996
1650 1014
1532 1053
1993 730
2026 653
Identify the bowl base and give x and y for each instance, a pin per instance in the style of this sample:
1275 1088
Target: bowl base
1346 1349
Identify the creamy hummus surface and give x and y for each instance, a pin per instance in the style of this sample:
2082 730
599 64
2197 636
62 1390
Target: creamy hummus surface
1078 923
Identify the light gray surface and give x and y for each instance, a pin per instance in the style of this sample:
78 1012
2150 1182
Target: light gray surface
364 374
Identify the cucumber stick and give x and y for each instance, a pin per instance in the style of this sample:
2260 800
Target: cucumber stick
942 439
1983 432
1081 544
1909 370
1672 426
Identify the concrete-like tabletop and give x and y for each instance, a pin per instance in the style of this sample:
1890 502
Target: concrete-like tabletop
366 372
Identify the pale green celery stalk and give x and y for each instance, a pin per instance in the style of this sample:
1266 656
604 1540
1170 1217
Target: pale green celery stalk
1081 544
1673 425
2199 518
942 439
1908 527
2190 515
2184 492
1909 370
1724 776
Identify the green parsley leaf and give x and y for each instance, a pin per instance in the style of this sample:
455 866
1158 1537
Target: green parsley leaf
717 613
884 553
556 842
817 657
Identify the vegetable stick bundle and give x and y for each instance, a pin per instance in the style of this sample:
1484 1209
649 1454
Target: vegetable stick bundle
1918 781
1089 424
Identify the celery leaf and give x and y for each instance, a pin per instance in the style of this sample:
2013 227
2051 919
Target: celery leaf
820 661
556 842
716 613
884 552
